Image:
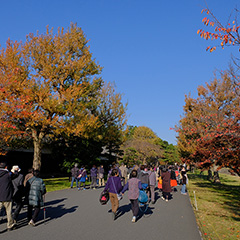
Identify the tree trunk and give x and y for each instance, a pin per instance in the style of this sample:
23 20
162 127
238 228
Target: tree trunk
37 143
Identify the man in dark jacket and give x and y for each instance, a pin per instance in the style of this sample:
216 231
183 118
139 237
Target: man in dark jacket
18 191
93 174
6 192
75 173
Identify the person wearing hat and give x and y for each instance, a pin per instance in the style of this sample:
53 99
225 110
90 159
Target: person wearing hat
6 192
18 190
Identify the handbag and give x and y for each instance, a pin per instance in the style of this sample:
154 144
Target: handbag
160 183
119 195
104 197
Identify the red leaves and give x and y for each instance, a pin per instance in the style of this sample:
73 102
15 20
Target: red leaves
227 35
210 129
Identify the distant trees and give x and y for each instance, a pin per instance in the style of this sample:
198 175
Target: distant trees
50 86
143 146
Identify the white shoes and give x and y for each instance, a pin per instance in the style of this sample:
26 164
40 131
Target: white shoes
32 223
133 219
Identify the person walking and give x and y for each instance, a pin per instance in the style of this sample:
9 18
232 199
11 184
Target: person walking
143 176
75 173
101 176
133 185
18 191
6 193
173 179
152 184
35 197
184 181
82 178
114 187
93 174
166 186
124 172
28 176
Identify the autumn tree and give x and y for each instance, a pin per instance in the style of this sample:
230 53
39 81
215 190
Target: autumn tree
209 131
145 142
48 85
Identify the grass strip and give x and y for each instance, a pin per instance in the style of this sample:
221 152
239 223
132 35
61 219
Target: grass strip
218 215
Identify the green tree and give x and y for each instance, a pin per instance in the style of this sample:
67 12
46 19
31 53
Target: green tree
130 157
145 142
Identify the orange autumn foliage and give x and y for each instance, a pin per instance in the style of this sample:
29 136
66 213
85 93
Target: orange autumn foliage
227 35
50 84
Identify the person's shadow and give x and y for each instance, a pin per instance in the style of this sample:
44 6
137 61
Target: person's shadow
48 212
123 209
145 213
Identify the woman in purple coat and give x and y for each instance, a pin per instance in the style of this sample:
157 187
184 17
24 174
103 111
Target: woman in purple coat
166 186
114 187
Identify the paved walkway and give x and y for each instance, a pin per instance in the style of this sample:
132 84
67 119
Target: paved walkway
73 214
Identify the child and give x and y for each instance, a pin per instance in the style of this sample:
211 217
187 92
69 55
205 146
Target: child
133 185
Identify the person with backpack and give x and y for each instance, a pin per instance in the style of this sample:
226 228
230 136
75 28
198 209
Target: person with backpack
37 189
114 187
133 185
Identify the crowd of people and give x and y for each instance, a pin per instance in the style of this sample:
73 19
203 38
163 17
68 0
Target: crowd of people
30 190
19 190
121 179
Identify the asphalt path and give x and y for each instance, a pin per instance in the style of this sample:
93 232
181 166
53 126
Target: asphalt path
73 214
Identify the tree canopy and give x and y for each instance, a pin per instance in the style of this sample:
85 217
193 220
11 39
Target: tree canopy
50 85
143 146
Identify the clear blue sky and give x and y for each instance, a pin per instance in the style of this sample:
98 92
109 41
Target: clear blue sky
150 49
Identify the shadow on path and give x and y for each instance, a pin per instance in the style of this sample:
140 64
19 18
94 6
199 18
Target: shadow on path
123 209
52 212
